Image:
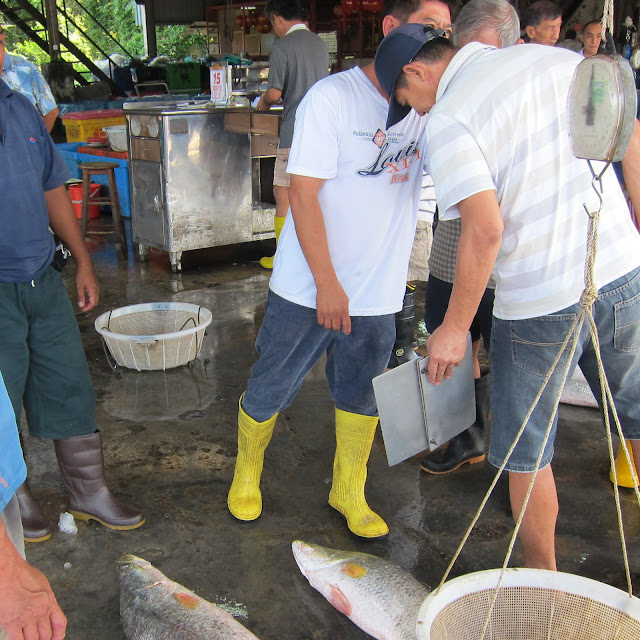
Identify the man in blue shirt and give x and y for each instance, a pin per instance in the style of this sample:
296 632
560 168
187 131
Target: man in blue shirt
27 603
41 355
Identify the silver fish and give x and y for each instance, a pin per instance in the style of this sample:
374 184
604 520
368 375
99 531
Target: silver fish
153 607
379 597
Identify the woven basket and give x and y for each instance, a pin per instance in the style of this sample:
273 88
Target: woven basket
532 604
154 336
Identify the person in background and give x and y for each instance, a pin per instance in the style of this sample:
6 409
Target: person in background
24 77
298 59
41 355
570 41
542 21
28 608
533 239
591 38
493 22
339 277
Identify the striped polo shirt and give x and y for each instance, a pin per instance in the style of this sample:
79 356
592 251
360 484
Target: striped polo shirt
500 123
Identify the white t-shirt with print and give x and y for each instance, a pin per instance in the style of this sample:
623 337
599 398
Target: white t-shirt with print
492 130
369 198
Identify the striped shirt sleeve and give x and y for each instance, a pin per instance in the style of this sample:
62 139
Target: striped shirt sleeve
427 206
456 163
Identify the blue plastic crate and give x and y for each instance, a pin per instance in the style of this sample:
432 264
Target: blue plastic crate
69 153
122 179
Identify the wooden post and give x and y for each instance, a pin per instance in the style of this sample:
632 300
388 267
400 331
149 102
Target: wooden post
53 30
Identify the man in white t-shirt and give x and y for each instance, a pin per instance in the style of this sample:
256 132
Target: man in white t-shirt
499 154
338 280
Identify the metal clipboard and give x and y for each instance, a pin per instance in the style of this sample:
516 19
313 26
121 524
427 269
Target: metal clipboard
416 415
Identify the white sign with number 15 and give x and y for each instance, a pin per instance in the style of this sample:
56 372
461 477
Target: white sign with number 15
218 84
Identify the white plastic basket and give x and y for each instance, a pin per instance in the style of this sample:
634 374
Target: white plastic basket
154 336
532 604
117 135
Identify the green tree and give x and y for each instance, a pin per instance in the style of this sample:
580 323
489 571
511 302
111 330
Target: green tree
106 23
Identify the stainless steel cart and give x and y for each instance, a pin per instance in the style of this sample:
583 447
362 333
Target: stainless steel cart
201 176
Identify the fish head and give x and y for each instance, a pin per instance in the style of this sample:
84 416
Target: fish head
329 571
139 571
312 557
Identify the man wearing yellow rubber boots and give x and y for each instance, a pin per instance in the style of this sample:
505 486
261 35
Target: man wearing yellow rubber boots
339 278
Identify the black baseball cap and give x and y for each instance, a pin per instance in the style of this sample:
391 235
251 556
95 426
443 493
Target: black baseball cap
397 49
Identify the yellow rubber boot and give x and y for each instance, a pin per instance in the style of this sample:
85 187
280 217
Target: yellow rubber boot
278 223
622 468
354 437
244 499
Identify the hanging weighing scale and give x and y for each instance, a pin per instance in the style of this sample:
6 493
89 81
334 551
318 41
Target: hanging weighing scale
534 604
602 107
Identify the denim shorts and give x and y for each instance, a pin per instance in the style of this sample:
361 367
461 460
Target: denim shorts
291 341
523 351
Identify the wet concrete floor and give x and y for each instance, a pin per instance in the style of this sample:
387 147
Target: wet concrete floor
170 446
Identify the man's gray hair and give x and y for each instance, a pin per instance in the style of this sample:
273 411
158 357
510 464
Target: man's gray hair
478 15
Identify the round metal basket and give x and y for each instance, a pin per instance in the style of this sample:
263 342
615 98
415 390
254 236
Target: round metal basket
154 336
531 604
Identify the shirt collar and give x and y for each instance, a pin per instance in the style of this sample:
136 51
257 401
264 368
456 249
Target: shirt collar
296 27
458 61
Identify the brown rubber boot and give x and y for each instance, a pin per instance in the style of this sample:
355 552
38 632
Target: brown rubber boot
82 466
36 527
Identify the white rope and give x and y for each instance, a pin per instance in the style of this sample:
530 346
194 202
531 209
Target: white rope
607 18
589 296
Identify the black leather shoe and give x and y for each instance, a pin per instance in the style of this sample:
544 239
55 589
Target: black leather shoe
468 446
465 448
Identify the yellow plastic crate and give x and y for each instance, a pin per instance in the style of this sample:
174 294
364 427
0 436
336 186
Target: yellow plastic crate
82 125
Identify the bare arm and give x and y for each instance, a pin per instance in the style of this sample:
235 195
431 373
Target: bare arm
480 239
64 223
28 608
631 170
50 118
270 97
331 301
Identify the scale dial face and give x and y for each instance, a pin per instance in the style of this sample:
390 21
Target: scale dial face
154 127
134 124
602 108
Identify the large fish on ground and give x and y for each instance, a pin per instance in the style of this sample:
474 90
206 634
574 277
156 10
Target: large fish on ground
153 607
379 597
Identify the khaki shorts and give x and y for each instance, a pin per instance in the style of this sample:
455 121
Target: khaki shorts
280 176
419 260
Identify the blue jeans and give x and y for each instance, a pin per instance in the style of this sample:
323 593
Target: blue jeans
522 352
291 341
